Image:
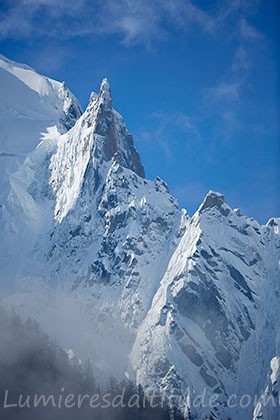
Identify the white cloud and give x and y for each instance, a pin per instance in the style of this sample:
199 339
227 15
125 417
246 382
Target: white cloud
225 91
231 88
178 120
187 125
134 20
51 56
143 21
166 125
241 61
248 31
232 124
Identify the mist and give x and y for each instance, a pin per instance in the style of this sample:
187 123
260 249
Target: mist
39 380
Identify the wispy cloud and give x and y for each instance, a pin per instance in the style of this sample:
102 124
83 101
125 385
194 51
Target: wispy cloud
51 56
241 60
225 91
248 31
165 127
230 88
179 121
133 20
188 125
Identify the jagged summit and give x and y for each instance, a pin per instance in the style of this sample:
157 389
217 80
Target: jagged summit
85 153
214 200
105 94
101 101
273 221
111 137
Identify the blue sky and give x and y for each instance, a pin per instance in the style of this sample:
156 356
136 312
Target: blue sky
197 83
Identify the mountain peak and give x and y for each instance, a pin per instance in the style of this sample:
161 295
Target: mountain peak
84 154
100 104
214 199
112 139
105 95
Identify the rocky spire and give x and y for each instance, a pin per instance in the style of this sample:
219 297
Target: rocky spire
105 95
112 140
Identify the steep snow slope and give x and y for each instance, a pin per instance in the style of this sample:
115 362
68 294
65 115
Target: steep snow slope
215 312
29 105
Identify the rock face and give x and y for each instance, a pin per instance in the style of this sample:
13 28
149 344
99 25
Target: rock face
268 406
223 274
187 305
99 137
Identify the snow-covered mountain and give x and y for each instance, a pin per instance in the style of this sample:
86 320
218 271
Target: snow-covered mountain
30 105
107 262
214 320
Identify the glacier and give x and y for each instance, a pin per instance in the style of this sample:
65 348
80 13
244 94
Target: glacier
110 265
